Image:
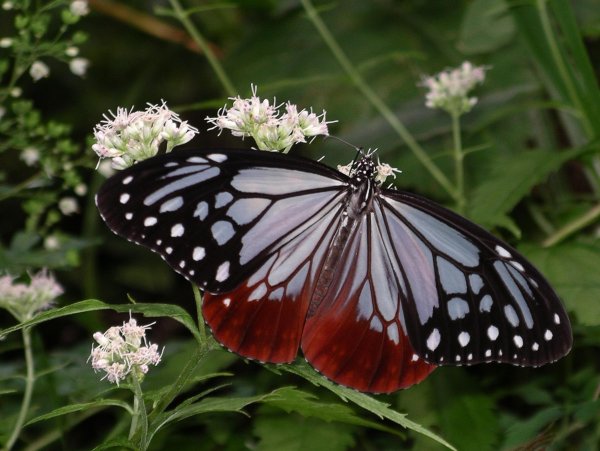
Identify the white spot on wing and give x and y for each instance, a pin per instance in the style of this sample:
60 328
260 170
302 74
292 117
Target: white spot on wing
197 160
485 305
464 338
517 265
556 318
128 216
198 253
226 302
433 341
535 346
150 221
222 199
493 332
201 210
503 252
124 198
518 341
511 315
392 332
169 250
222 231
457 308
218 157
258 293
177 230
222 272
488 353
548 335
172 204
127 180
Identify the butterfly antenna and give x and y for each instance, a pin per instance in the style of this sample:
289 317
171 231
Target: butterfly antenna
358 149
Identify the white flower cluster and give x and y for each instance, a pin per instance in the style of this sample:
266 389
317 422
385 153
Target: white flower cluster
382 171
123 350
132 136
272 130
24 300
449 89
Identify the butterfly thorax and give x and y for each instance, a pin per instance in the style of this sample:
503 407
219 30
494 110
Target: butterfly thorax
357 203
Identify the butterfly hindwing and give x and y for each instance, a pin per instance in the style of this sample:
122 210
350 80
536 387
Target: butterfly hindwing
471 298
356 335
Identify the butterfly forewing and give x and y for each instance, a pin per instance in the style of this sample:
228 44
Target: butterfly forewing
470 297
215 217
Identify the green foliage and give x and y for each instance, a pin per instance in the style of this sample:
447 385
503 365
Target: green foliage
529 165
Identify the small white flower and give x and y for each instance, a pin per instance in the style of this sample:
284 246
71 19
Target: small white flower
6 42
79 7
51 243
72 51
68 206
449 89
16 92
7 6
79 66
384 171
345 169
81 189
30 156
271 130
39 70
24 300
124 350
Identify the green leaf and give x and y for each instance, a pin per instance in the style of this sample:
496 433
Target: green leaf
572 269
211 405
295 433
526 429
381 409
80 407
150 310
511 179
307 405
470 423
486 26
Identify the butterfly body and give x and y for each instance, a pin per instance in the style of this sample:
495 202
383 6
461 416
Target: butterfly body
376 286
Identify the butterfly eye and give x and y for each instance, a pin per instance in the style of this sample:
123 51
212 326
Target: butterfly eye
376 287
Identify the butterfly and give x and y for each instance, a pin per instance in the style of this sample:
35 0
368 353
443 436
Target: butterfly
377 286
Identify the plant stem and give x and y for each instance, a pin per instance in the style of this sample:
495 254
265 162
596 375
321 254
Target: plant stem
182 16
458 163
561 65
376 101
29 383
139 420
201 326
574 226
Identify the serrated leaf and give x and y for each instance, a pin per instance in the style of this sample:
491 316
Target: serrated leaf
295 433
80 407
511 180
381 409
150 310
470 423
572 269
486 26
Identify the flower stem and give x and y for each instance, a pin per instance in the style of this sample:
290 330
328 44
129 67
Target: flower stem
182 16
574 226
139 420
376 101
29 383
458 163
